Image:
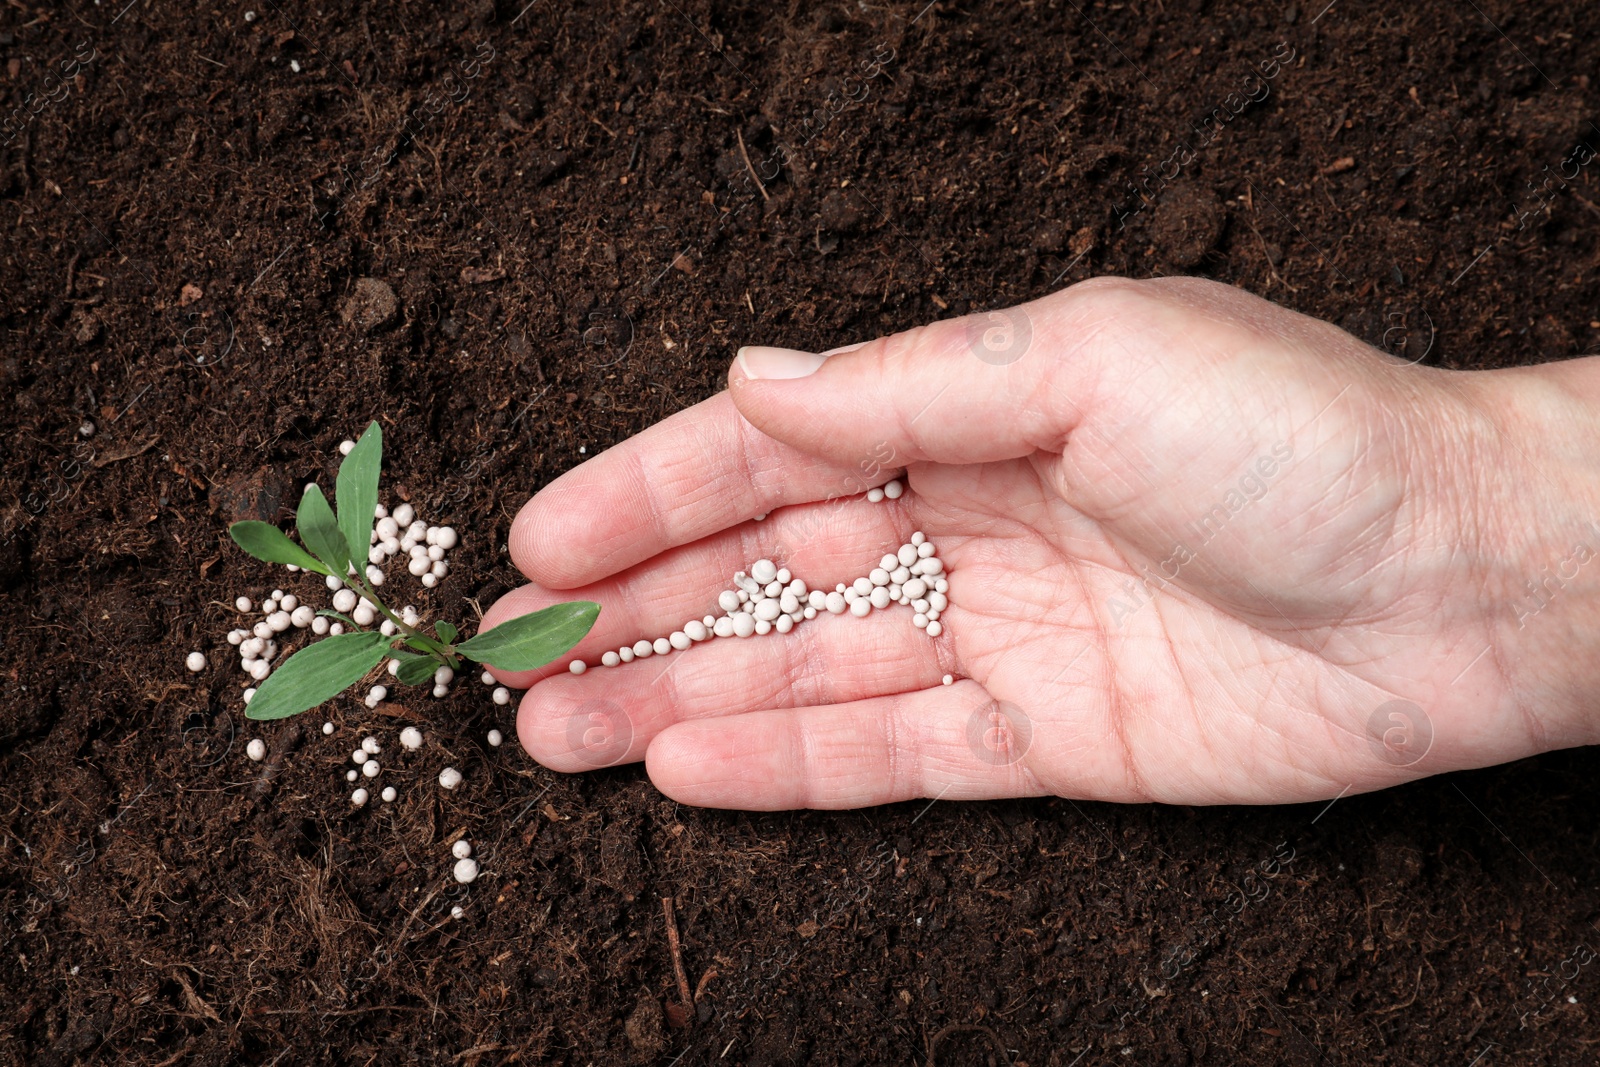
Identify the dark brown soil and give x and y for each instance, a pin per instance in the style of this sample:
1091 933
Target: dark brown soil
511 237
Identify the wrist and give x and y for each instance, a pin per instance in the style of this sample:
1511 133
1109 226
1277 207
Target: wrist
1542 545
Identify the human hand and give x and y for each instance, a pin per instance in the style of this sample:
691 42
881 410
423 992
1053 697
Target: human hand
1200 549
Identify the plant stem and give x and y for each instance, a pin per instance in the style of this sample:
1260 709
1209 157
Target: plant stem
371 594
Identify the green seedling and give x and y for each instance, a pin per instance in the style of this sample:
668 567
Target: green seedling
325 668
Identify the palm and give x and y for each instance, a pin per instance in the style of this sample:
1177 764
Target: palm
1114 689
1202 594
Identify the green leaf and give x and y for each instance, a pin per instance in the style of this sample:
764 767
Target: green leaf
355 491
269 544
446 631
530 641
415 670
320 531
424 644
341 616
318 672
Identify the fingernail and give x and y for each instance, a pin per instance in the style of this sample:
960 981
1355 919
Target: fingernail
846 348
760 362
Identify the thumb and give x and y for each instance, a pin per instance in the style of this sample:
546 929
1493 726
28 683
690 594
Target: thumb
985 387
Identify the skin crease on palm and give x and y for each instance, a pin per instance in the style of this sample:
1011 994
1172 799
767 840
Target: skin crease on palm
1201 549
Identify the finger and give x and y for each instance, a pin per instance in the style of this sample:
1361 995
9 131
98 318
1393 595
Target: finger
611 716
951 742
985 387
822 544
702 470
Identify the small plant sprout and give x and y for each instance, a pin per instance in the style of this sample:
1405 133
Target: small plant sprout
334 545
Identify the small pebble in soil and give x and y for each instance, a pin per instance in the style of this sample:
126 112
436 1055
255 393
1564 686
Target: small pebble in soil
352 775
358 798
360 756
466 870
249 693
196 662
249 16
388 794
345 446
496 738
488 679
457 912
449 777
370 743
411 738
502 696
461 849
256 749
327 728
243 603
377 695
86 428
441 690
371 768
